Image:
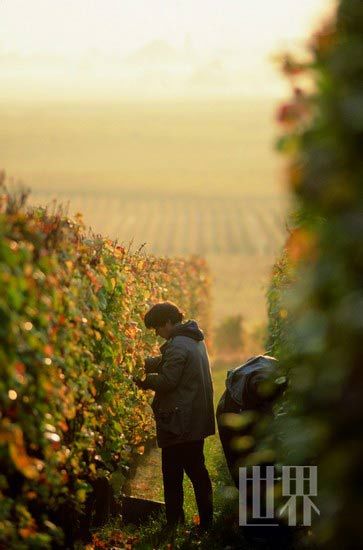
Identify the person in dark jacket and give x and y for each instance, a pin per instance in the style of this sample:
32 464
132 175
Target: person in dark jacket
183 408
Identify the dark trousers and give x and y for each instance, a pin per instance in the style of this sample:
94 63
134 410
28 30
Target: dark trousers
189 458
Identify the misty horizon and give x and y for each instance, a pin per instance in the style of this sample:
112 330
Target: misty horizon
156 70
134 49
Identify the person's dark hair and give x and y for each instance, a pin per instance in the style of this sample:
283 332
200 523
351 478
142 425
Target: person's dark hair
161 313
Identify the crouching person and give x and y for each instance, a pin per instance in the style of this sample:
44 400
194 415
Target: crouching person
183 408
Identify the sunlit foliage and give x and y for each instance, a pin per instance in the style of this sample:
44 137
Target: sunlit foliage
316 297
71 338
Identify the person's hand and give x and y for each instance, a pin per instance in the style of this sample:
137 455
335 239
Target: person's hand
152 364
139 382
149 364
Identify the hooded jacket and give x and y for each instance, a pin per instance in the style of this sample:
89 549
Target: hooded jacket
183 401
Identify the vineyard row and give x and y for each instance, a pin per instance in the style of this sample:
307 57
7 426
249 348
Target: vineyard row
179 226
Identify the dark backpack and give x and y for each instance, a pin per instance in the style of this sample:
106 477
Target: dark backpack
242 394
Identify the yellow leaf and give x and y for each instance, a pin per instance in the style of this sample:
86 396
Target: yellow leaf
70 412
81 495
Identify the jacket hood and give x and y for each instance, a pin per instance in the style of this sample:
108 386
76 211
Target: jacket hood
190 329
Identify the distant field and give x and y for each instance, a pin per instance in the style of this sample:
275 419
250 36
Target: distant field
192 177
204 148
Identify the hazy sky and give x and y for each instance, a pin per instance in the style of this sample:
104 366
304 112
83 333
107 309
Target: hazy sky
229 40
